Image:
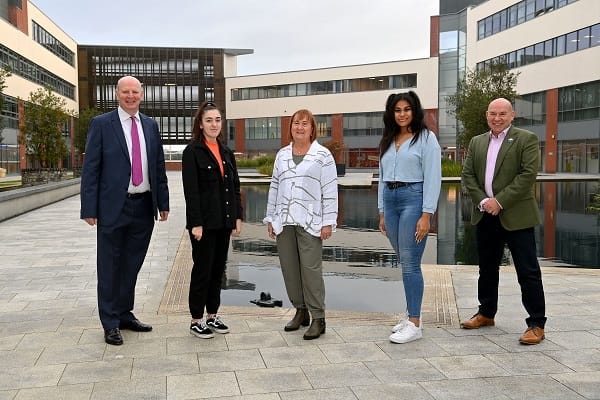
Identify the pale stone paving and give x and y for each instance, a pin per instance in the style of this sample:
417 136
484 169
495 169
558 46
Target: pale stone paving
52 347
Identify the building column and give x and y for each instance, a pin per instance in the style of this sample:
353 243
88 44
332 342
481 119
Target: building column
551 130
240 135
21 135
285 129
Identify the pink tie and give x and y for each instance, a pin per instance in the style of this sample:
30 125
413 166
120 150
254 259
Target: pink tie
136 155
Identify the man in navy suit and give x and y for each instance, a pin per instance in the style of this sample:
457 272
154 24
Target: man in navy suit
123 190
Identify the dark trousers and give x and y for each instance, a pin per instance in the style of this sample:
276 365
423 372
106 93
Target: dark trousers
210 256
122 248
491 238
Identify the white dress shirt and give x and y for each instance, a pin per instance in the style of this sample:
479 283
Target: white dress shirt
126 124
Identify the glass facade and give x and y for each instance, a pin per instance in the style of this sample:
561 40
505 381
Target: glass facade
571 42
175 81
51 43
516 14
578 156
530 109
363 124
263 128
29 70
452 69
579 102
9 149
326 87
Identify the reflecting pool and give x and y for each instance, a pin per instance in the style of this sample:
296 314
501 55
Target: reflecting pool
568 236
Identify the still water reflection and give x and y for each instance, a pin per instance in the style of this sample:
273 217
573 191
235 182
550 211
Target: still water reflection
569 234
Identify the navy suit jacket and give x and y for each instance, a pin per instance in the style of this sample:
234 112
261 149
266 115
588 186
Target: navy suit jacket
107 168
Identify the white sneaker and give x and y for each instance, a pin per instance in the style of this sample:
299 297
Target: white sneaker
401 323
407 334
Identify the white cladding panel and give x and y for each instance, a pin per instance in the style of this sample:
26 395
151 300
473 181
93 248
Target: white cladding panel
367 101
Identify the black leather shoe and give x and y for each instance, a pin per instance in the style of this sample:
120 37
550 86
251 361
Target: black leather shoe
113 336
135 325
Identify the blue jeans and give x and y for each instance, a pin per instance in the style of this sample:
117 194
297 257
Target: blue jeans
403 207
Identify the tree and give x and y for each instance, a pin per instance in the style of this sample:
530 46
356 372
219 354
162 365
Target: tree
45 114
4 73
82 126
473 95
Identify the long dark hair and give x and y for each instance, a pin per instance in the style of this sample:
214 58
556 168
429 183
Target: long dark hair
205 106
391 128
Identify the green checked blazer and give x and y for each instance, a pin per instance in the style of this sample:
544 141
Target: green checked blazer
514 177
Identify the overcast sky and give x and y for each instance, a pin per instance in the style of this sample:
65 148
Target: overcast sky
286 35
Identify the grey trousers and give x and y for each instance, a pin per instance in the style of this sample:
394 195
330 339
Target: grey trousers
301 259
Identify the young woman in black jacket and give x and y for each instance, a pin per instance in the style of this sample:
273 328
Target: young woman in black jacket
211 187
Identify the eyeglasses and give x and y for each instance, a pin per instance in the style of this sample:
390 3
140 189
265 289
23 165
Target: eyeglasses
210 103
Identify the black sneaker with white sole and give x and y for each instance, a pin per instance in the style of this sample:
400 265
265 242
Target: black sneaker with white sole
199 329
216 325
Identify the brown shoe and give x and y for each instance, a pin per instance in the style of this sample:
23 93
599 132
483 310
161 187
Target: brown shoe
316 329
302 317
477 321
533 335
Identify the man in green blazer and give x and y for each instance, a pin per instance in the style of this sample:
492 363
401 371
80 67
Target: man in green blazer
499 174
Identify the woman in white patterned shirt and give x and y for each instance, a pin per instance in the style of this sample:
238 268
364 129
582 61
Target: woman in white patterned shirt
301 213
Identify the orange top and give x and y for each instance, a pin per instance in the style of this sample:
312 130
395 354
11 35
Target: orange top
214 148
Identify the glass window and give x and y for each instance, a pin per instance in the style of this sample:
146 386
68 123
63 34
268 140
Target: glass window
583 35
301 89
571 42
503 19
292 89
539 52
488 26
512 59
323 125
495 23
520 57
521 12
512 16
548 48
481 29
595 35
560 45
530 10
319 87
529 54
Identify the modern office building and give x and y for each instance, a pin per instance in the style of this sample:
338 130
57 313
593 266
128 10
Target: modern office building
554 46
347 103
39 54
175 81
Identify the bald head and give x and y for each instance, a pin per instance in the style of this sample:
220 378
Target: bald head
500 115
128 80
129 94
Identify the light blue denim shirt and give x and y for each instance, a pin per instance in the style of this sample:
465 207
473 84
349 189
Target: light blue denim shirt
419 162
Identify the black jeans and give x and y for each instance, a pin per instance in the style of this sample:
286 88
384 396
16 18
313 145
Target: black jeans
209 255
491 238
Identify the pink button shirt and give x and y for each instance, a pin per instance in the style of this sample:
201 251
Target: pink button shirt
490 165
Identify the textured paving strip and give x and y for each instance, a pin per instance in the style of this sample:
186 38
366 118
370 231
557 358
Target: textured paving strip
439 306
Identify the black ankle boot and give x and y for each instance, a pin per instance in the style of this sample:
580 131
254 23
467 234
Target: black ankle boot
301 318
317 327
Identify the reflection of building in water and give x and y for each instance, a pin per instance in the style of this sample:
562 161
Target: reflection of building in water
568 233
231 279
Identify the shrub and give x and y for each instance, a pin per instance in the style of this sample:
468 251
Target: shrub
451 168
255 162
